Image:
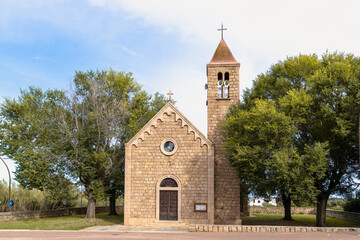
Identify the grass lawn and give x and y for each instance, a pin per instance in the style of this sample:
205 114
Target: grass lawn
63 223
299 220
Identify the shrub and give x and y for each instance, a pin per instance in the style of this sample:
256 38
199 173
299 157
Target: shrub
25 199
352 205
336 203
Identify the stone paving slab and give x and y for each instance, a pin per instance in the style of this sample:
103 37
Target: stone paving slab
253 228
216 228
122 228
81 235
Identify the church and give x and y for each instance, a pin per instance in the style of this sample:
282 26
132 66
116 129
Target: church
174 173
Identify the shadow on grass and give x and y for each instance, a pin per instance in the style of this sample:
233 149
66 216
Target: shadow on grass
75 222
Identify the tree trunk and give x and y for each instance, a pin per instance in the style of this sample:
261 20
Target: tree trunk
112 210
321 210
287 207
90 211
244 199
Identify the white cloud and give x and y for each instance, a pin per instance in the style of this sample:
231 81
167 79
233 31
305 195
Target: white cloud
261 32
131 52
257 24
268 30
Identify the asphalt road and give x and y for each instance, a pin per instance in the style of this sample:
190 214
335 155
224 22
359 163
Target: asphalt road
22 235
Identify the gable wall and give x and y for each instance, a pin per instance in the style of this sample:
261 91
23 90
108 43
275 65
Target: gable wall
190 164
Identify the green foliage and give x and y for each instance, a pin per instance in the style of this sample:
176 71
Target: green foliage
319 98
321 95
352 205
25 199
29 133
99 202
142 110
259 143
79 134
336 203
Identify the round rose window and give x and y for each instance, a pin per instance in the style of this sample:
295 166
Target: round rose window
168 146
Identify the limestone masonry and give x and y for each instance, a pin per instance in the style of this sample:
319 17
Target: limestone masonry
173 173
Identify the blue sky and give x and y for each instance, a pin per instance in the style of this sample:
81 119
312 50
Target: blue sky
165 43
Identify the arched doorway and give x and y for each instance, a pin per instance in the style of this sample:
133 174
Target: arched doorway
168 199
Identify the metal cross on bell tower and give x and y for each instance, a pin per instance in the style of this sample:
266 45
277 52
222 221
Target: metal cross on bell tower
222 29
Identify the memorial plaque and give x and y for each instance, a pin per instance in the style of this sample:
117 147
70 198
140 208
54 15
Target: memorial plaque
200 207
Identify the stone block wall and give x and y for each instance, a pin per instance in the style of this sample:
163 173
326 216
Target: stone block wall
280 210
22 215
190 165
227 182
352 216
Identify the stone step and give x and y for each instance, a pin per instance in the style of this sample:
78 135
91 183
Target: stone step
169 224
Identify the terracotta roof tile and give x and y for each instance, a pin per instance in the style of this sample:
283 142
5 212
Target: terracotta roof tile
223 54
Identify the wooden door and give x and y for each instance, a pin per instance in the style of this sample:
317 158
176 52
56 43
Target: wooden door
169 205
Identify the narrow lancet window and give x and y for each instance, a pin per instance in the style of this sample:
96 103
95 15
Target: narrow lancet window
226 92
220 85
226 85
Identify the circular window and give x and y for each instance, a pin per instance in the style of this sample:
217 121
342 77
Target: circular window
168 146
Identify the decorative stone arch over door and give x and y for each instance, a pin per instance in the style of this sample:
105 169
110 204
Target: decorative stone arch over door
168 186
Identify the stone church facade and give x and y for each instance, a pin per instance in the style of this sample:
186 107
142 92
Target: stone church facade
173 173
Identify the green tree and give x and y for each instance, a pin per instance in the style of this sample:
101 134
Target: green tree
99 115
321 96
259 143
79 134
142 109
28 135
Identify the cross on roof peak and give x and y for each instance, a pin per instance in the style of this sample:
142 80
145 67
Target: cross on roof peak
170 93
222 29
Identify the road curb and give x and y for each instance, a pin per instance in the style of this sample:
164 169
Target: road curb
248 228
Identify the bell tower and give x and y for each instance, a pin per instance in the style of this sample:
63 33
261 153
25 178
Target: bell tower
223 91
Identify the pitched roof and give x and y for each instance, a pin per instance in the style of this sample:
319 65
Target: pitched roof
223 54
169 109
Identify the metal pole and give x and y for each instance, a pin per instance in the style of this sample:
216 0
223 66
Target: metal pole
9 181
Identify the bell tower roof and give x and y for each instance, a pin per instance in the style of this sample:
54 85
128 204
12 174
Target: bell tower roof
222 54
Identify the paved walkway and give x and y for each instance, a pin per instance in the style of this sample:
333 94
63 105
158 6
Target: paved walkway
122 228
86 235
